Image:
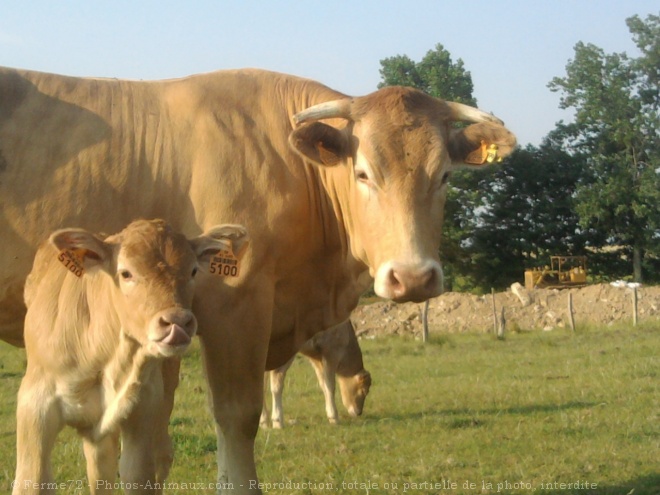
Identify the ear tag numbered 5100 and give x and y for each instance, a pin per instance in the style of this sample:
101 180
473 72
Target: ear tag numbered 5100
73 260
224 264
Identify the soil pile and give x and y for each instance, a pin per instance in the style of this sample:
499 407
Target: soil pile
540 309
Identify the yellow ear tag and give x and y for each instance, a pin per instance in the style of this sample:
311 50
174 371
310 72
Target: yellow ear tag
224 264
73 260
491 155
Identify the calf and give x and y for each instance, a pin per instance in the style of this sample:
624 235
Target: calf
102 315
333 352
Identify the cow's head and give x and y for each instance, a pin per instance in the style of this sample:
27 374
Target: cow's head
153 270
395 154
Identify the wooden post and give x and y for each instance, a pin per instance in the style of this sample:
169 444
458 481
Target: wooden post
571 320
502 324
425 322
634 306
492 292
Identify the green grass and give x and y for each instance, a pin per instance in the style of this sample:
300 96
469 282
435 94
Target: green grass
462 414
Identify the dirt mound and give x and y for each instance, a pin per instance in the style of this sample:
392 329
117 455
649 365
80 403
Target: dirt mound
601 304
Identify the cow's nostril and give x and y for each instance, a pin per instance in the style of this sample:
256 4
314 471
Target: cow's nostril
394 280
431 279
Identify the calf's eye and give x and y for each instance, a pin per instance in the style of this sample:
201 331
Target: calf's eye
194 272
125 275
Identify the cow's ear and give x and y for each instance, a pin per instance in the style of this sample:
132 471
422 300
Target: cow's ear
320 143
480 144
81 245
225 237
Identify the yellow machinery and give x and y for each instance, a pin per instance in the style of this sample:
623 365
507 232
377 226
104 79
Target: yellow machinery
563 272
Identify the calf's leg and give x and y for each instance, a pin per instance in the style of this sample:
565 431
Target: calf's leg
101 456
137 465
277 390
38 421
164 451
326 378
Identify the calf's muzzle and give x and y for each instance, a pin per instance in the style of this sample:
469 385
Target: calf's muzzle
172 331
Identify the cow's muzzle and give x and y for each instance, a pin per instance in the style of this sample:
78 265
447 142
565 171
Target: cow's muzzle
403 282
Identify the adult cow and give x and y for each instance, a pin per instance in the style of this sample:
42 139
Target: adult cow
331 206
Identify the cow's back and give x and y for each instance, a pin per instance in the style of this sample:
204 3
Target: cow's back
197 151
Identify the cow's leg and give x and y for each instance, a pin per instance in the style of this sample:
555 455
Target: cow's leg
326 377
101 456
38 421
277 390
235 346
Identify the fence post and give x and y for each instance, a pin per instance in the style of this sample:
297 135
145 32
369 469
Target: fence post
502 324
571 320
492 293
634 306
425 322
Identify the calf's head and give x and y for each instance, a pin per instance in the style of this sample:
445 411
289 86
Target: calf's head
354 390
388 169
153 270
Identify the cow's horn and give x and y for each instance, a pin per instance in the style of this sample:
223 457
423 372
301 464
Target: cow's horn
465 113
328 110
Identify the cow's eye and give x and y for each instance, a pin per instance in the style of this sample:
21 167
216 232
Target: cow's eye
194 272
126 275
445 178
361 175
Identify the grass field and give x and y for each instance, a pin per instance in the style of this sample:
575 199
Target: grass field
549 412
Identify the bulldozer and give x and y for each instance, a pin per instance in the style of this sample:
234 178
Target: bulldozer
564 272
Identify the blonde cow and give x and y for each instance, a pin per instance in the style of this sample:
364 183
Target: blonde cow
337 192
102 315
333 353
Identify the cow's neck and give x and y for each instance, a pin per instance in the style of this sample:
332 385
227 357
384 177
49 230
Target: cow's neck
338 188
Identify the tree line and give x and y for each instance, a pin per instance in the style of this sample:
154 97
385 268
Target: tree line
591 188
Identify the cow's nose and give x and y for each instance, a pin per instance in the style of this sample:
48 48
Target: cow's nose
415 283
181 318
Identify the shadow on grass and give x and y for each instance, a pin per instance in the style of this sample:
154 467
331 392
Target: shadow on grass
480 413
525 410
11 374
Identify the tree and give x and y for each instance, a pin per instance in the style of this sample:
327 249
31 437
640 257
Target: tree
617 126
526 214
436 74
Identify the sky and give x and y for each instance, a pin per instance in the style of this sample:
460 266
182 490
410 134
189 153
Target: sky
511 48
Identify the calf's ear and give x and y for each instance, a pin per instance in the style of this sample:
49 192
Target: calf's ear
225 237
82 245
320 143
480 144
